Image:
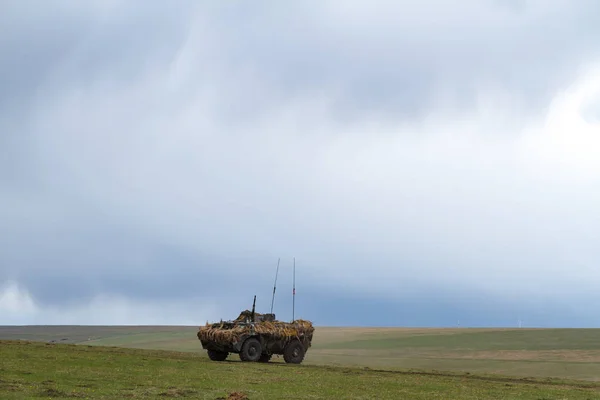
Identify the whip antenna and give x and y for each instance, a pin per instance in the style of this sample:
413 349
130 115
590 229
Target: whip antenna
275 285
294 293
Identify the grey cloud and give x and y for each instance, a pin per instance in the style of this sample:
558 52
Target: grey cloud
387 68
50 46
181 153
399 70
591 111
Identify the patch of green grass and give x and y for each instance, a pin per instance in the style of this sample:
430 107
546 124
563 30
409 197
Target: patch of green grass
82 333
517 339
40 370
564 353
517 368
182 340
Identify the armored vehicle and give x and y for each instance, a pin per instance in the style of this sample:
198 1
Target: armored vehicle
257 337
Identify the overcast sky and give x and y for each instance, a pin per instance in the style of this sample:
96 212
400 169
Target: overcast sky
425 161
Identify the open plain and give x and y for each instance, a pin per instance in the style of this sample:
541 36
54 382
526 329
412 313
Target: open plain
344 362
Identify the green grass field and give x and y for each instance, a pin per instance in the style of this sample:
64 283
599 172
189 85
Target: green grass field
61 371
348 362
561 353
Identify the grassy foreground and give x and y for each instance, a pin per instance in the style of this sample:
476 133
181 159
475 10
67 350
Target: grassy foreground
559 353
38 370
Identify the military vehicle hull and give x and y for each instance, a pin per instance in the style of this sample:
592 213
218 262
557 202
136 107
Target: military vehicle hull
256 338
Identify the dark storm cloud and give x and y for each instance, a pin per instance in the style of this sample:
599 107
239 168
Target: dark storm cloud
149 274
435 309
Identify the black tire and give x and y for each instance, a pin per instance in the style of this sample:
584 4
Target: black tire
264 358
294 352
215 355
251 350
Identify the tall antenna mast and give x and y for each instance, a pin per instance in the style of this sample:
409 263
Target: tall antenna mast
275 285
294 293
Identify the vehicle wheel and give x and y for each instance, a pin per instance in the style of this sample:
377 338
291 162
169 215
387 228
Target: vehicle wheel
293 352
264 358
217 355
251 350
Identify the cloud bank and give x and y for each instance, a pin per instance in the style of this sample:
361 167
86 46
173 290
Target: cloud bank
409 155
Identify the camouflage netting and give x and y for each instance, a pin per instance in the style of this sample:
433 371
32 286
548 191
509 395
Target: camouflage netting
247 315
226 332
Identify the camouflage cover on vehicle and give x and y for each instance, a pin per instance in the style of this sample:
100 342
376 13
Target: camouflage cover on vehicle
274 336
226 332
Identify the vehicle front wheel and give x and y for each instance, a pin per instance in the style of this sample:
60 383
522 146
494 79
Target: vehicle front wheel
215 355
251 350
293 353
